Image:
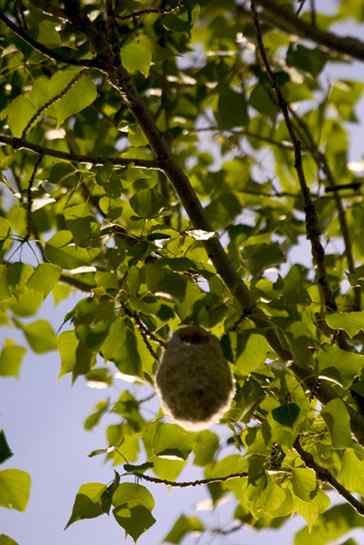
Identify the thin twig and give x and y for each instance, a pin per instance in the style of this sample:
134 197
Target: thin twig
29 198
312 224
185 484
324 475
300 7
144 331
20 143
322 162
148 11
313 13
226 531
279 16
338 187
243 132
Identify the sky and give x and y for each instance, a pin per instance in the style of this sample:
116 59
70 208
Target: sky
43 419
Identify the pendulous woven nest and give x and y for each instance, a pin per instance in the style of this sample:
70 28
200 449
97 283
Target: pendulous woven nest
194 381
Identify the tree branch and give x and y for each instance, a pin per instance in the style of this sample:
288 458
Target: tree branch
29 198
324 475
120 80
148 11
312 225
244 132
186 484
286 20
20 143
322 162
42 49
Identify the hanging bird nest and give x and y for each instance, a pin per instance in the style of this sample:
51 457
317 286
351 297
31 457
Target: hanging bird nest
194 381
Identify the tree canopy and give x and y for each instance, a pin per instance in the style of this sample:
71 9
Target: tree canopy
166 162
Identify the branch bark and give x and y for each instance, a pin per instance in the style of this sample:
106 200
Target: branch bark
322 162
287 21
21 143
312 225
324 475
186 484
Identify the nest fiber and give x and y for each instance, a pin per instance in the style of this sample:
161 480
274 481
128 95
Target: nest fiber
194 381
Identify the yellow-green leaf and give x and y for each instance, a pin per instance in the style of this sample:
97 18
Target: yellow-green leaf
136 55
14 489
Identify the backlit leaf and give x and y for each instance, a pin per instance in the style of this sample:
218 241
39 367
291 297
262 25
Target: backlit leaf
14 489
136 55
183 526
88 502
337 418
40 336
11 357
135 520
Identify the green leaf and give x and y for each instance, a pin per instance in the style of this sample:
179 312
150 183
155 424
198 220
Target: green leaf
233 463
72 98
205 447
6 540
60 251
348 364
85 360
133 494
232 110
286 414
311 510
44 278
11 357
14 489
253 355
262 256
27 303
168 469
82 224
94 418
304 58
135 520
263 101
331 526
48 35
67 347
120 346
136 55
78 97
19 112
5 452
88 502
171 441
5 229
351 474
147 203
183 526
304 483
40 336
337 419
350 322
